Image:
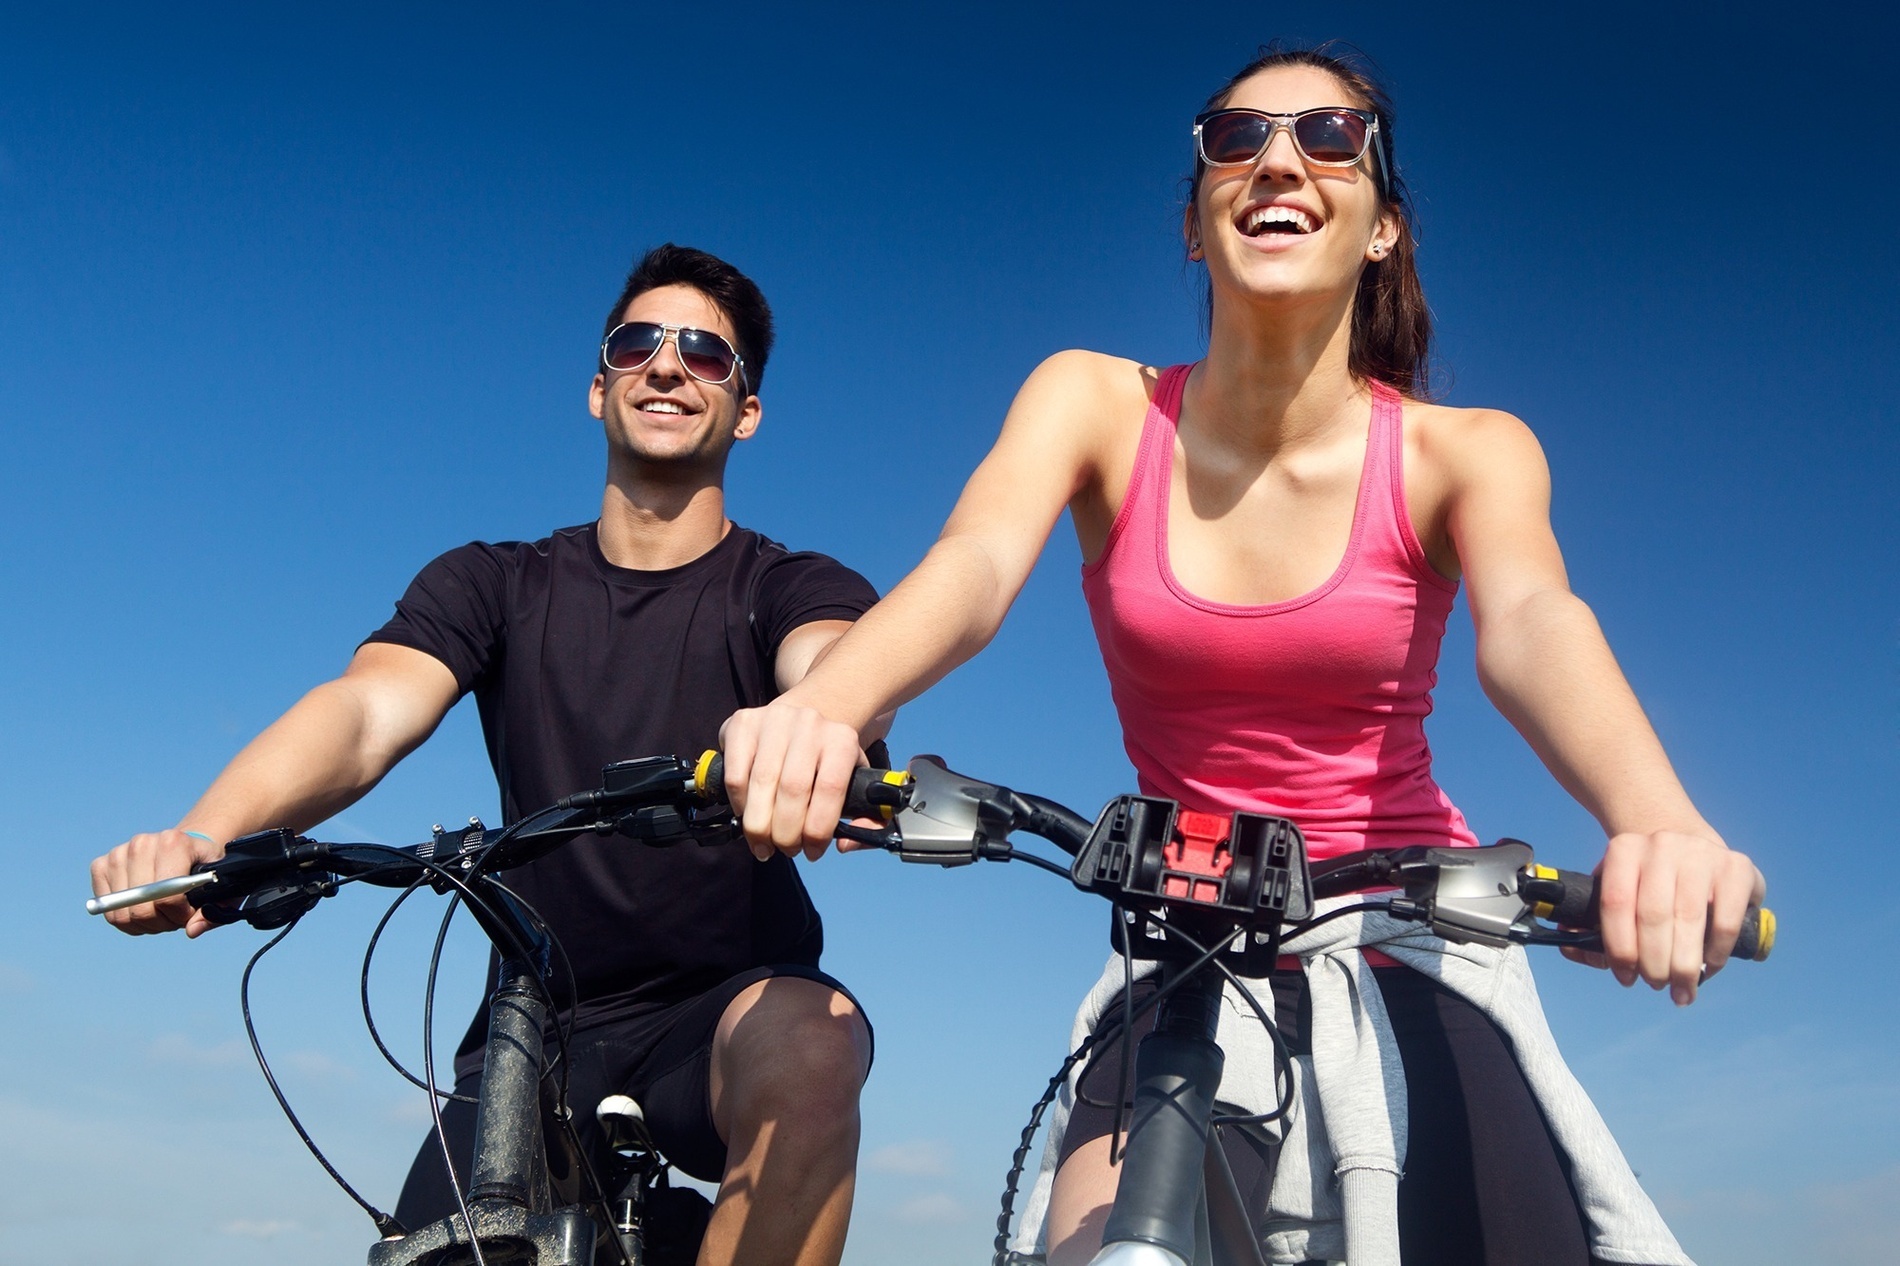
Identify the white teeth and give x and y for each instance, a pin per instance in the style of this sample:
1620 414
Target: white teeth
1263 216
661 406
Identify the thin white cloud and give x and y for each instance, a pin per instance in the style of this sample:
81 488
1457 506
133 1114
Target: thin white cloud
317 1066
177 1048
934 1209
917 1158
257 1229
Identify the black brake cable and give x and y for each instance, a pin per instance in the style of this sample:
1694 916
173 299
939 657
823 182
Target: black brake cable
463 892
386 1225
369 1018
1283 1063
428 1071
1294 930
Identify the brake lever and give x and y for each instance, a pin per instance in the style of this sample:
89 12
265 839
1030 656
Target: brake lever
885 838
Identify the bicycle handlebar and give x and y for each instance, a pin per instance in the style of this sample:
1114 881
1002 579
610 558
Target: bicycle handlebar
1141 851
1250 867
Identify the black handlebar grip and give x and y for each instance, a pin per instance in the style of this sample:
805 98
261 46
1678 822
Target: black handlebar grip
1569 898
877 793
709 777
874 793
1565 897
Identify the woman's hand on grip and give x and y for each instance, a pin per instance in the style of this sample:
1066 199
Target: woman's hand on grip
1670 905
788 768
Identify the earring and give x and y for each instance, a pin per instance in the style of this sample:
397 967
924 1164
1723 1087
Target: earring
1194 249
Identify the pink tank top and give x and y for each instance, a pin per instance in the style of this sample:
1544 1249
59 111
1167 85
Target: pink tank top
1311 709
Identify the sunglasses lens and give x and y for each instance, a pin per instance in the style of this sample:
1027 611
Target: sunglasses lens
632 345
706 356
1331 136
1234 137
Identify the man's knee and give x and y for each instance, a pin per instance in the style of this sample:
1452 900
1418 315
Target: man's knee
789 1047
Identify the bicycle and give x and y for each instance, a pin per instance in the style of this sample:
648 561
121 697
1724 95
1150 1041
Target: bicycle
523 1204
1211 899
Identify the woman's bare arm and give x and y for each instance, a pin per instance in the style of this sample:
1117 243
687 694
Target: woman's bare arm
788 764
1673 893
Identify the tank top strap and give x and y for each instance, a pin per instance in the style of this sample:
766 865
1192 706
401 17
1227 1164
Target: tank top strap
1154 459
1389 529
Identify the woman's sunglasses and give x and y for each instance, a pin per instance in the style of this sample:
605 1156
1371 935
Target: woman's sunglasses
706 355
1332 136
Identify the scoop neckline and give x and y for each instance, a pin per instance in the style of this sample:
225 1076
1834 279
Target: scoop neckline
1165 500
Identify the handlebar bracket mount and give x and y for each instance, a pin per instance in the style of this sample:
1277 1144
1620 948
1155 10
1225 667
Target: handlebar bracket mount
1235 878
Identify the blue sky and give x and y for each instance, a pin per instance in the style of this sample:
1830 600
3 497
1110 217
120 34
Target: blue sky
292 301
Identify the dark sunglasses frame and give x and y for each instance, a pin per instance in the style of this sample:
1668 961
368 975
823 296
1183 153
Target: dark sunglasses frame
678 334
1376 141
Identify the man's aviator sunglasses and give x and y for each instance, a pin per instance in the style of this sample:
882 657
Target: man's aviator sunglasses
1332 136
706 355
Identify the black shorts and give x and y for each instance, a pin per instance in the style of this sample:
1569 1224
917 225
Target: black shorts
1484 1185
662 1059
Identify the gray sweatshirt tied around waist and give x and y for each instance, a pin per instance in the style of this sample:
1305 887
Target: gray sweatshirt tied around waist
1335 1192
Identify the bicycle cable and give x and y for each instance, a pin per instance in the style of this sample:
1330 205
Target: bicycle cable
1125 1073
1294 930
369 1018
386 1225
428 1071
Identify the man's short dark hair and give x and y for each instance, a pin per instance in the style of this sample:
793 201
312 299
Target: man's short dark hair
735 293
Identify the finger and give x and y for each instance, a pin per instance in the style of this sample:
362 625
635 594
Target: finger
1736 882
1695 883
838 759
1589 958
128 866
739 742
797 776
761 785
1616 906
1656 918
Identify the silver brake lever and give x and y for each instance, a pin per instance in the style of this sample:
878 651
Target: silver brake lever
149 892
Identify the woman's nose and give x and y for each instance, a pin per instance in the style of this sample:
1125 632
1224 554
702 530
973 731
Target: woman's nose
1281 158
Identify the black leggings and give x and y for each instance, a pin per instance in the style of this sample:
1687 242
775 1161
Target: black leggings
1484 1182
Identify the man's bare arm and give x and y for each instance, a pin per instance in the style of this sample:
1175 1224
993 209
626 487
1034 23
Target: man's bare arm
321 756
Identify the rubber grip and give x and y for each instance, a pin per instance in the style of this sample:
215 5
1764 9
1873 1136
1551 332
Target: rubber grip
1569 898
874 793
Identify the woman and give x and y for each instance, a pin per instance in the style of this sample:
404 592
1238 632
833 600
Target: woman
1272 540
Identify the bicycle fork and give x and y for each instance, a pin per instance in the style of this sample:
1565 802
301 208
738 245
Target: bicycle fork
1176 1204
510 1199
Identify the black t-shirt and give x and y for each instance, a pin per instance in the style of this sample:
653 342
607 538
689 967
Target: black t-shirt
576 663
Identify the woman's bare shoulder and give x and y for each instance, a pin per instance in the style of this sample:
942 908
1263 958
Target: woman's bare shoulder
1461 441
1095 378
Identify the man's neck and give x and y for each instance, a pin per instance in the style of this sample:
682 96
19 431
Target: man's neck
651 525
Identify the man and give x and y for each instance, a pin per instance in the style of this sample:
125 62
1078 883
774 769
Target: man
695 968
